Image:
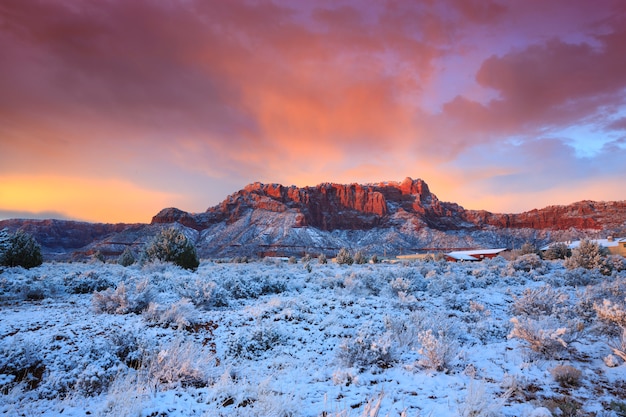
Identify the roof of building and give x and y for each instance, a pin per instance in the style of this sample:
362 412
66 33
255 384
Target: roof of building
473 255
606 243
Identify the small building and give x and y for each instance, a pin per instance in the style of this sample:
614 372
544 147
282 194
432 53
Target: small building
473 255
615 246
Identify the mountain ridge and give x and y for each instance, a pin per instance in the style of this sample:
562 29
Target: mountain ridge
386 217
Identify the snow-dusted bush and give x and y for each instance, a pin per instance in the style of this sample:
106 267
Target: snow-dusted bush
180 363
182 314
557 251
589 255
364 282
618 345
360 258
253 343
617 263
566 376
127 347
581 277
234 394
126 258
322 259
344 257
203 293
542 301
241 287
367 348
20 363
123 300
19 249
86 282
612 312
172 245
437 350
478 403
528 262
544 336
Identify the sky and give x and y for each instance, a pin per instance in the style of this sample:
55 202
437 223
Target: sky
111 110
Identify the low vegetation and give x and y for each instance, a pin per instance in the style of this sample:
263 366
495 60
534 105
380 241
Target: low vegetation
525 337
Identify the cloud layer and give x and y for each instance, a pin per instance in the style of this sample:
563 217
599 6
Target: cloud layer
505 106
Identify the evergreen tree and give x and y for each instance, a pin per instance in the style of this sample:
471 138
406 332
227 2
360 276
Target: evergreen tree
589 255
344 257
173 246
19 249
126 258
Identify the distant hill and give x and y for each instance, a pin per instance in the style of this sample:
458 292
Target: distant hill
384 218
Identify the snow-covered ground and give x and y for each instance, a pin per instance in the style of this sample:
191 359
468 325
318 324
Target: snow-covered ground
270 338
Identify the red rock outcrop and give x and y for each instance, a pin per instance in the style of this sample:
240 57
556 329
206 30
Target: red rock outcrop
331 206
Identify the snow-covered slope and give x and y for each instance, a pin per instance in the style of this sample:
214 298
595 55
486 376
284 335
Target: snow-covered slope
384 218
271 338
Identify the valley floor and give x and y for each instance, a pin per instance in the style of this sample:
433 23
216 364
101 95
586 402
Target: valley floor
270 338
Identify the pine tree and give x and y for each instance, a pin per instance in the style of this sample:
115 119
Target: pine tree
344 257
19 249
589 255
173 246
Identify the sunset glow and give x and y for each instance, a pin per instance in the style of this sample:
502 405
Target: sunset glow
110 111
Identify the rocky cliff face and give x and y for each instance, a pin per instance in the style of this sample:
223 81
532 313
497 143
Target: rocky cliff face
331 207
391 217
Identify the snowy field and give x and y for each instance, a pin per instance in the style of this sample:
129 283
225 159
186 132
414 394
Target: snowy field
270 338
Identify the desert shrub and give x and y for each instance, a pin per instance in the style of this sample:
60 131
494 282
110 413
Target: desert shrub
182 363
126 258
252 286
478 403
405 330
20 362
86 283
618 345
250 398
252 344
544 336
437 350
98 256
203 293
528 249
127 347
617 263
182 314
94 372
364 282
611 312
566 376
19 249
122 300
173 246
582 277
542 301
344 257
589 255
557 251
360 258
4 240
527 262
367 348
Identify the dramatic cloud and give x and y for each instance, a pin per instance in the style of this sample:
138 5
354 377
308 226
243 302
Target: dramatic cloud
184 102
